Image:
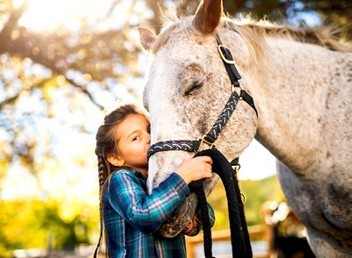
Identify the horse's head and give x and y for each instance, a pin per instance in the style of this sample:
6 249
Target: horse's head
188 87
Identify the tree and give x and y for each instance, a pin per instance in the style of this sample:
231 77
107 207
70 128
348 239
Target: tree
42 66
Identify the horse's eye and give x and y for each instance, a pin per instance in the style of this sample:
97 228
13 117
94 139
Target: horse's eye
194 88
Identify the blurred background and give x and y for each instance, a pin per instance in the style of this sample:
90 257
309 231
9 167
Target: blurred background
61 63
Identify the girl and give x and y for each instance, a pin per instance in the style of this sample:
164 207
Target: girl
130 217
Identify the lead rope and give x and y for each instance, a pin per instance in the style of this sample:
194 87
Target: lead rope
240 241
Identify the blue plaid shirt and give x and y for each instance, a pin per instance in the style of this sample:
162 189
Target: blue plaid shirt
132 217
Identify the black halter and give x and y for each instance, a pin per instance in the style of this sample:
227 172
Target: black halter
210 138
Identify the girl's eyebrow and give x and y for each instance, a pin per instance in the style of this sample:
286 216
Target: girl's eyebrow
132 133
136 131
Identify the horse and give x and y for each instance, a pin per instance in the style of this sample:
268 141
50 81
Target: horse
301 84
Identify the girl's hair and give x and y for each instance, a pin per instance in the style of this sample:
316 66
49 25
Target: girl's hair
105 145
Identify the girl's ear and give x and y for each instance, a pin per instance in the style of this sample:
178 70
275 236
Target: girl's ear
115 160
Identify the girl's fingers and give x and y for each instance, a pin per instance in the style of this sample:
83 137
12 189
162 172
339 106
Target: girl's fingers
206 159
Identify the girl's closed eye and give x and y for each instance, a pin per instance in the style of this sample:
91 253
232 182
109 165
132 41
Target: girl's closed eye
135 138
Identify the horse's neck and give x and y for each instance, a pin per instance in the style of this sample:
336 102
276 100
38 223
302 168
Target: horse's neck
291 89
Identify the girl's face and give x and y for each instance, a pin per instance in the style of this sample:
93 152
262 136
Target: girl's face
133 142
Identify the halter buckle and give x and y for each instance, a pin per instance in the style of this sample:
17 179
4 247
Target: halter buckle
228 61
202 141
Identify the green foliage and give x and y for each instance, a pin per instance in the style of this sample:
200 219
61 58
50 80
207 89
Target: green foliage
43 224
257 192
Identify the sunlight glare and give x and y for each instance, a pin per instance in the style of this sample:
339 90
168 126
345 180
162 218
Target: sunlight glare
50 14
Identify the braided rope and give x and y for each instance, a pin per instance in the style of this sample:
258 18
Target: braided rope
224 116
213 134
185 145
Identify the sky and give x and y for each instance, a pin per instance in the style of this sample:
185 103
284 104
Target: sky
48 14
256 162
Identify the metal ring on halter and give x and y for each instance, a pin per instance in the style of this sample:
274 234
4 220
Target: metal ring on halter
236 168
203 140
220 47
244 198
233 89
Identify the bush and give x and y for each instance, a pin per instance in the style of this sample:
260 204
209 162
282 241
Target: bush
52 224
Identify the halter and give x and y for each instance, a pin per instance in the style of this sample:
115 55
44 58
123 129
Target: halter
210 138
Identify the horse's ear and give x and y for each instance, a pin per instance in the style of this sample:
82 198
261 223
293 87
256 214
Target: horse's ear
146 38
208 16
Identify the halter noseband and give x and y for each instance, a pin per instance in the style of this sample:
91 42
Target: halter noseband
210 138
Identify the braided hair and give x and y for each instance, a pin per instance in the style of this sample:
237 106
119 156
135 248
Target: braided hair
106 145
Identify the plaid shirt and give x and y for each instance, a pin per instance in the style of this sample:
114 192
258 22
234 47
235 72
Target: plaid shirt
132 217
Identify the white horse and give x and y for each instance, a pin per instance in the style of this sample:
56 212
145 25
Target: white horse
301 83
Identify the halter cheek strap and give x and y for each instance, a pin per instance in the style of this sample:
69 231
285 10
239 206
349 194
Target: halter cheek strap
213 134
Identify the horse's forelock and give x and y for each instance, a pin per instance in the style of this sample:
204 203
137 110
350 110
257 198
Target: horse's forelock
170 27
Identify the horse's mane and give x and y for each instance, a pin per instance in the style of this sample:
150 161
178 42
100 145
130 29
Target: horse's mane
255 31
321 36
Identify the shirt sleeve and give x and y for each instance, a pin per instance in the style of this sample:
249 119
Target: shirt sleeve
146 212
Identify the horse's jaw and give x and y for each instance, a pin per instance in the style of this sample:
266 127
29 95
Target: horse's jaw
182 219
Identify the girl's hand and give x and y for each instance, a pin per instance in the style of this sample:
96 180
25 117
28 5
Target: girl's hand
195 169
